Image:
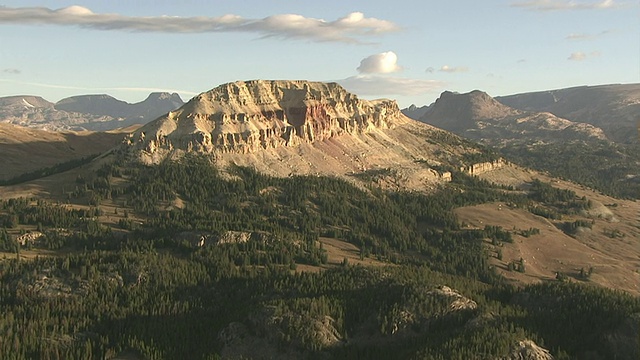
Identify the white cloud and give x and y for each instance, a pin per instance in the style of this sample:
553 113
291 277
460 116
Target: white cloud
384 86
383 63
453 69
579 56
346 29
583 36
554 5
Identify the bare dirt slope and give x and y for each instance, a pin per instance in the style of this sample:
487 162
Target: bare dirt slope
615 259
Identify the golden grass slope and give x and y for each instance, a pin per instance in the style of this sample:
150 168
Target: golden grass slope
24 149
615 259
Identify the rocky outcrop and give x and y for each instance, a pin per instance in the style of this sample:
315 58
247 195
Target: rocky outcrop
200 239
412 314
483 167
51 283
458 301
245 117
528 350
29 238
285 128
234 237
270 334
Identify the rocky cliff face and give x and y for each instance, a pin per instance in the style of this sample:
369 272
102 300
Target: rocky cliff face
244 117
483 167
284 128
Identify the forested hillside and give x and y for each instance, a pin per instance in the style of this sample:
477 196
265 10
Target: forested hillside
174 279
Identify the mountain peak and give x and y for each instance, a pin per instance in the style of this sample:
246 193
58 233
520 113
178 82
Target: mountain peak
477 115
247 116
163 96
97 104
455 111
25 101
248 96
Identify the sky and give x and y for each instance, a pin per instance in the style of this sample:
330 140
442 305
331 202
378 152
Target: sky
410 51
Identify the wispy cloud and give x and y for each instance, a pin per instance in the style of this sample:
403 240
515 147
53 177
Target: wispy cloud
448 69
555 5
383 85
453 69
383 63
11 71
94 89
349 28
584 36
580 56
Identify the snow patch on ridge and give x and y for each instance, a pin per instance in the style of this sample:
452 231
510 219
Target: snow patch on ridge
27 104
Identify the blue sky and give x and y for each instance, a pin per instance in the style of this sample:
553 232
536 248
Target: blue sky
410 51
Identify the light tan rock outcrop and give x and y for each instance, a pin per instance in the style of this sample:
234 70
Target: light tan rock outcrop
285 128
528 350
483 167
245 117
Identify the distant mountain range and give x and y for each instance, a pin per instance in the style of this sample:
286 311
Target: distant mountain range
612 109
587 134
478 116
84 112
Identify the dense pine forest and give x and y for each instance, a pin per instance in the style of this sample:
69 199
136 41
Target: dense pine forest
170 282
